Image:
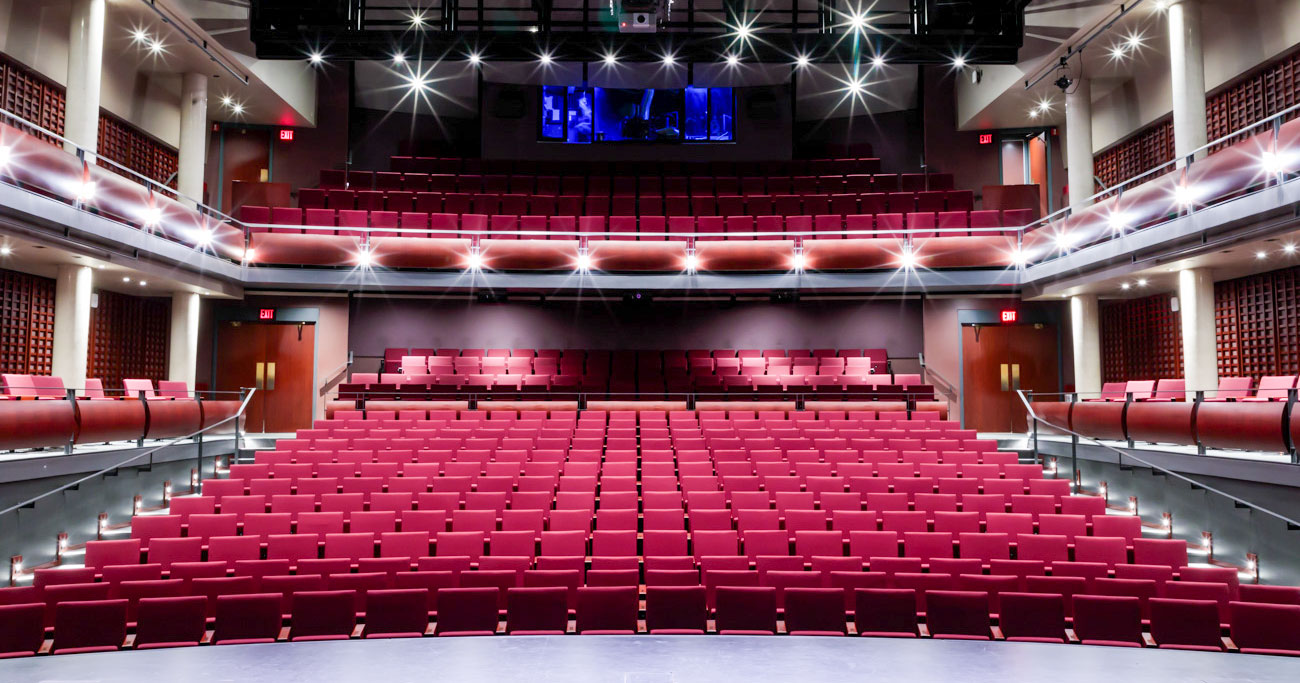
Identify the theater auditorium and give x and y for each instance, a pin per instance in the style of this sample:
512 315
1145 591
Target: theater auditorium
650 341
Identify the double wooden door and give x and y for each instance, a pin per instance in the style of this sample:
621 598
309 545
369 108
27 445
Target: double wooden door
278 359
998 360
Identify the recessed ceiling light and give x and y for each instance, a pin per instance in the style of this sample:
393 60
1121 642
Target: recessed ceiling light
669 60
316 58
1124 286
1288 248
126 278
801 61
732 60
959 61
1142 282
877 61
545 58
143 283
475 58
6 250
398 58
1261 254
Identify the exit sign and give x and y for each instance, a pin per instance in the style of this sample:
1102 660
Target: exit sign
1008 316
986 138
266 314
286 135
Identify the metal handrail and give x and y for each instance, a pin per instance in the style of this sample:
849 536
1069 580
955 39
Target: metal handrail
32 501
1241 502
1187 159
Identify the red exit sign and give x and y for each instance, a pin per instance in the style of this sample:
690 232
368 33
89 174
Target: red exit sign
266 314
986 138
1008 316
286 135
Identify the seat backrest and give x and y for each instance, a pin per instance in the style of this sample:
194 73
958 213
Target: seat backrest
135 386
1234 387
18 385
1112 391
1275 387
1141 389
1170 388
173 389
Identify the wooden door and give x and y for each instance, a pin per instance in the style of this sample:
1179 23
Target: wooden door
997 360
240 347
276 358
290 365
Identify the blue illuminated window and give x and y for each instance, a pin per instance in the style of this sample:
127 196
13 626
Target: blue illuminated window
585 115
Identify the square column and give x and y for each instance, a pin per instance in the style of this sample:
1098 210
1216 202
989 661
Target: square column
1085 342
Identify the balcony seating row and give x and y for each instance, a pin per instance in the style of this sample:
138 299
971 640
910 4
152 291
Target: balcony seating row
37 412
1158 412
434 201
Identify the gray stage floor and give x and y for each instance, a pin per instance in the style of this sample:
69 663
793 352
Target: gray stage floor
654 659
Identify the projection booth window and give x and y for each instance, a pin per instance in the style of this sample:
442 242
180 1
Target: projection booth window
585 115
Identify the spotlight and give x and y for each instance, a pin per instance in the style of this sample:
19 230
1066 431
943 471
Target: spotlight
1117 221
365 258
583 263
474 59
1142 282
152 216
801 61
877 62
156 48
416 83
126 278
203 239
545 58
316 58
1183 195
692 263
1261 255
1134 41
238 109
474 261
6 250
5 156
227 100
856 87
1064 240
417 19
139 36
1117 53
907 259
733 60
743 31
1288 248
669 60
959 62
143 283
1018 258
1125 286
399 58
798 261
85 192
1033 113
858 20
1272 163
610 59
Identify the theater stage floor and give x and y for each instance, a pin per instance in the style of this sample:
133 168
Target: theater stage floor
654 659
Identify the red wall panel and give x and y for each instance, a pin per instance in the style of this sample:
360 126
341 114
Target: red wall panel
1140 339
26 323
1257 324
128 338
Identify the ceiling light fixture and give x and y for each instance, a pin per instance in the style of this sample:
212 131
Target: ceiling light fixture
316 58
474 59
958 62
733 60
802 61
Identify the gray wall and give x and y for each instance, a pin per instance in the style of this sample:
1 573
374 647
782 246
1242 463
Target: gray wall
376 324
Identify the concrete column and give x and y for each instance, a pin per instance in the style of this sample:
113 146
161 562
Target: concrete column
183 348
1196 308
1085 331
72 292
194 136
1078 143
1187 75
85 66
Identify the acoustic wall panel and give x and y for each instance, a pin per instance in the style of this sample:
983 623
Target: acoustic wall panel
1141 339
1257 324
26 323
128 338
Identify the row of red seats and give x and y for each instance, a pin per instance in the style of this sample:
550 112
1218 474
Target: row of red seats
526 365
852 202
860 161
630 227
667 357
314 615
